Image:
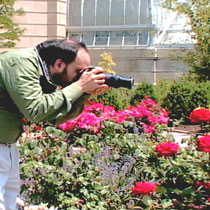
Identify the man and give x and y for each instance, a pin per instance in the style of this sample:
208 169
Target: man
41 84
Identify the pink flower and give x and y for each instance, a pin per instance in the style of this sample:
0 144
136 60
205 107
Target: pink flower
68 125
148 114
94 107
144 188
167 149
204 143
148 128
121 116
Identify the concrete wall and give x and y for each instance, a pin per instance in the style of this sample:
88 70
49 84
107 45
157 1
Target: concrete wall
144 65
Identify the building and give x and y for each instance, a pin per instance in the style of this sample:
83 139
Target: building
139 34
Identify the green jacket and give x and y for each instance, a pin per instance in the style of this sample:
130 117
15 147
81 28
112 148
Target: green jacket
24 92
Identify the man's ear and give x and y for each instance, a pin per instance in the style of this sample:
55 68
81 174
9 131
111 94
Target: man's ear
59 66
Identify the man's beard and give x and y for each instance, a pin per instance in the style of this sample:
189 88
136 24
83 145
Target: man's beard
57 79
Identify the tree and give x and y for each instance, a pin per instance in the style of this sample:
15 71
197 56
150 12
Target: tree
107 62
198 12
9 31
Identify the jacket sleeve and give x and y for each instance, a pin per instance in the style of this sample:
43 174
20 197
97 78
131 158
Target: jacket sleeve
21 79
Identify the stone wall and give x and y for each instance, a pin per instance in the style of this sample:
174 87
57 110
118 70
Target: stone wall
43 19
144 65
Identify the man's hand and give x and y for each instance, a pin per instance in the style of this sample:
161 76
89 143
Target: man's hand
92 82
100 91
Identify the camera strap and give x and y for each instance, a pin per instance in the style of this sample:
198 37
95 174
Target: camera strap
45 69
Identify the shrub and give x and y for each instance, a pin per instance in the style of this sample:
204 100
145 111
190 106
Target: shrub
162 88
184 96
118 98
141 91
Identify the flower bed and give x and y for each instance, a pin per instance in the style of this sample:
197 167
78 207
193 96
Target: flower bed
125 163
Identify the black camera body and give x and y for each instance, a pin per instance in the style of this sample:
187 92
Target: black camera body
114 80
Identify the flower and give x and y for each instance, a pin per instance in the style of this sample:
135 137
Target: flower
68 125
204 143
206 185
38 128
144 188
167 149
147 115
200 116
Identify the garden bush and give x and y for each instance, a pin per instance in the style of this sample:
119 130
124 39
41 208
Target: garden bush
162 88
141 91
184 96
120 98
116 97
114 160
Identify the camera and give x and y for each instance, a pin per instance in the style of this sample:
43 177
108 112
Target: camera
114 80
117 81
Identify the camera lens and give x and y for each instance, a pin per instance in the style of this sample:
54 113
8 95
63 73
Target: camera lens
116 81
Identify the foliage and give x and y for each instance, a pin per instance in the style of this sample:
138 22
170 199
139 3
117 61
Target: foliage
116 97
184 96
162 88
96 177
141 91
116 168
198 13
107 62
9 31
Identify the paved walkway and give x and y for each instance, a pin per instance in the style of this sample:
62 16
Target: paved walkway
183 133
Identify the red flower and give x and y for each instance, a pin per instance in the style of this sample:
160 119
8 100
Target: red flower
144 188
38 128
25 120
200 116
206 185
167 149
204 143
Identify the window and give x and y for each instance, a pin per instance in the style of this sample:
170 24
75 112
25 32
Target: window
75 11
143 38
117 12
101 38
144 12
102 12
132 12
88 38
75 36
130 38
89 13
116 23
116 37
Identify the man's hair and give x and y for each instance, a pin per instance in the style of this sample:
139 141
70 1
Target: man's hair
63 49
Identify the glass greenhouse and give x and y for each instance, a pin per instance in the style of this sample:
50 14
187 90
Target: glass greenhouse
123 23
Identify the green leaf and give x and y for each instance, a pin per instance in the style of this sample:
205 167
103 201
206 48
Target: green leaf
147 200
166 203
161 189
